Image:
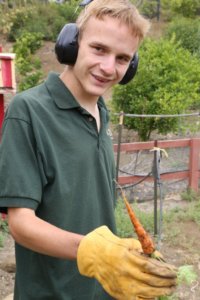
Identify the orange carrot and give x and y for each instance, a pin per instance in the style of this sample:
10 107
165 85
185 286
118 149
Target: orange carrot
144 238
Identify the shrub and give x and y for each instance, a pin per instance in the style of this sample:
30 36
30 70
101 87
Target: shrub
186 8
28 67
187 33
27 44
167 82
46 18
30 80
150 9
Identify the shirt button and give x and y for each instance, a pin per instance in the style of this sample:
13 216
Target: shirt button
90 119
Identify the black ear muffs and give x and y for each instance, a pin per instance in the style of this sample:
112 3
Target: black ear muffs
66 49
131 71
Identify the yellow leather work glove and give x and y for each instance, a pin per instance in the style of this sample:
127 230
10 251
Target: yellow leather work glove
121 269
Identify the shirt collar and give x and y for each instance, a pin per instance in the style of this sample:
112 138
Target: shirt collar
59 92
62 96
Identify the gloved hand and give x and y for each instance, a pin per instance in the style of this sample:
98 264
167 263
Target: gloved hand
121 269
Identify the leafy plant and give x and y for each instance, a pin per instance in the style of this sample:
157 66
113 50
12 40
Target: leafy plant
186 8
193 212
185 275
28 67
27 44
37 17
186 32
30 81
149 8
3 230
165 84
190 195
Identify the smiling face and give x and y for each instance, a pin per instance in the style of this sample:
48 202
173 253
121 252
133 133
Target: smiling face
105 49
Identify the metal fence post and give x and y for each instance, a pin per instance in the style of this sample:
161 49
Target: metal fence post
120 127
155 190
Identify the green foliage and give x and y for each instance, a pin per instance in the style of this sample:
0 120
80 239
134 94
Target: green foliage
3 225
186 8
28 66
19 19
27 44
39 17
186 274
149 8
187 33
124 225
3 230
1 240
30 80
190 195
169 9
165 84
192 213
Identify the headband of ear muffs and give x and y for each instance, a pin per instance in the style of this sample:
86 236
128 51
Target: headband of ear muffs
66 49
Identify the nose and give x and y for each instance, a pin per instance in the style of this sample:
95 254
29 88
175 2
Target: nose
107 65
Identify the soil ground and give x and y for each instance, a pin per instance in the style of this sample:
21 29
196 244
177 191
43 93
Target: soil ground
179 246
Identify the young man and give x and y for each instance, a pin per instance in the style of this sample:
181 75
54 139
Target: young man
57 174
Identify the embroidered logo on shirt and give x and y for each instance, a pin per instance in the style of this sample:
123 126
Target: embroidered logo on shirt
109 133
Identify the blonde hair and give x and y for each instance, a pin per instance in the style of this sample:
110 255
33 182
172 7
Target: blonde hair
123 10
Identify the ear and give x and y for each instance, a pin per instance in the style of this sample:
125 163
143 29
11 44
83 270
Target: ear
131 71
66 47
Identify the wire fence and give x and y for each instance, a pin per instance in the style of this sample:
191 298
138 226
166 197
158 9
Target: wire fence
147 164
142 162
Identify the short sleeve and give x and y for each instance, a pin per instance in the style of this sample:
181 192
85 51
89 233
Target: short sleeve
20 182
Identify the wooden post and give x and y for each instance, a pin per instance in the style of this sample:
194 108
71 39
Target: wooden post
194 164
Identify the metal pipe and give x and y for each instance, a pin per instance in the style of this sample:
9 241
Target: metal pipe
120 127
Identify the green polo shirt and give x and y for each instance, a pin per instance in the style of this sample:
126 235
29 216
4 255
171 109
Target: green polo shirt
54 161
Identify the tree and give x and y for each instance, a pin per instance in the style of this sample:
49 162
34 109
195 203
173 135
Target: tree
167 82
186 8
187 32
